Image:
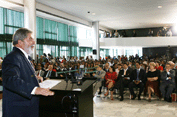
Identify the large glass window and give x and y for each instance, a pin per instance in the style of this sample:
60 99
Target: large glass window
64 51
2 49
50 30
73 33
1 21
85 51
39 49
13 20
39 28
62 32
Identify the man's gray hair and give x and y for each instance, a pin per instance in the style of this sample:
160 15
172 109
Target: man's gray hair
20 34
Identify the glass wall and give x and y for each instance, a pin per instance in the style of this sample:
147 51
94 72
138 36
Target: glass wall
10 21
13 20
2 49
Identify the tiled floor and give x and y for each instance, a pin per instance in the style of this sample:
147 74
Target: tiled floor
104 107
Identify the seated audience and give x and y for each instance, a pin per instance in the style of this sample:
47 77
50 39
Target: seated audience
167 84
110 77
137 78
152 84
123 79
100 74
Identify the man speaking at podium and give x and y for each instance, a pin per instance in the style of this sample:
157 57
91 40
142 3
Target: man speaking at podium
20 84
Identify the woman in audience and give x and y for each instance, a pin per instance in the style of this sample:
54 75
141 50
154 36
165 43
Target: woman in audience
158 67
110 77
152 84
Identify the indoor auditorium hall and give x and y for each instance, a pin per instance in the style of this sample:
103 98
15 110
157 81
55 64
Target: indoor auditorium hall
88 58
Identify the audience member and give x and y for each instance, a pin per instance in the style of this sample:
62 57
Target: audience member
39 71
169 33
167 84
150 33
138 78
110 77
158 67
152 84
123 79
100 74
116 34
134 33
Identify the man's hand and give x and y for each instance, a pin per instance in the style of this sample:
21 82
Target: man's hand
43 91
167 70
150 79
169 77
93 74
61 75
39 78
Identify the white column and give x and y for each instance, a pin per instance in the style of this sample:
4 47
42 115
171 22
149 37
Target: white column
96 42
30 20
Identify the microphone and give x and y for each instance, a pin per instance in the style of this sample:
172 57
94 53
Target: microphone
66 78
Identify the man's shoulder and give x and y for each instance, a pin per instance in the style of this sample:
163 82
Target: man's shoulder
13 56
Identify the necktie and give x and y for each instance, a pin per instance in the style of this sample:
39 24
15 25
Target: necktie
48 74
29 58
137 74
38 73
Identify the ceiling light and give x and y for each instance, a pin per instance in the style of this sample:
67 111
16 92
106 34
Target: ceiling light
93 13
159 7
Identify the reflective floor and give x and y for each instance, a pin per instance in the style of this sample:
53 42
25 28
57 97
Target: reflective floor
105 107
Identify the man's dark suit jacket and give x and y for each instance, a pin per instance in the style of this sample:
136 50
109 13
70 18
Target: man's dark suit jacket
128 73
142 75
164 76
18 82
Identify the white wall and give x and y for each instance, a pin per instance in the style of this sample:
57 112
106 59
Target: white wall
133 42
138 42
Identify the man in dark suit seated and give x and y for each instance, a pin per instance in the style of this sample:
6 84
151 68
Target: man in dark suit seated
137 78
123 79
50 73
62 69
20 84
39 71
167 83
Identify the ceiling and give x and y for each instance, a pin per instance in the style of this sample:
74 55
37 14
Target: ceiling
120 14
